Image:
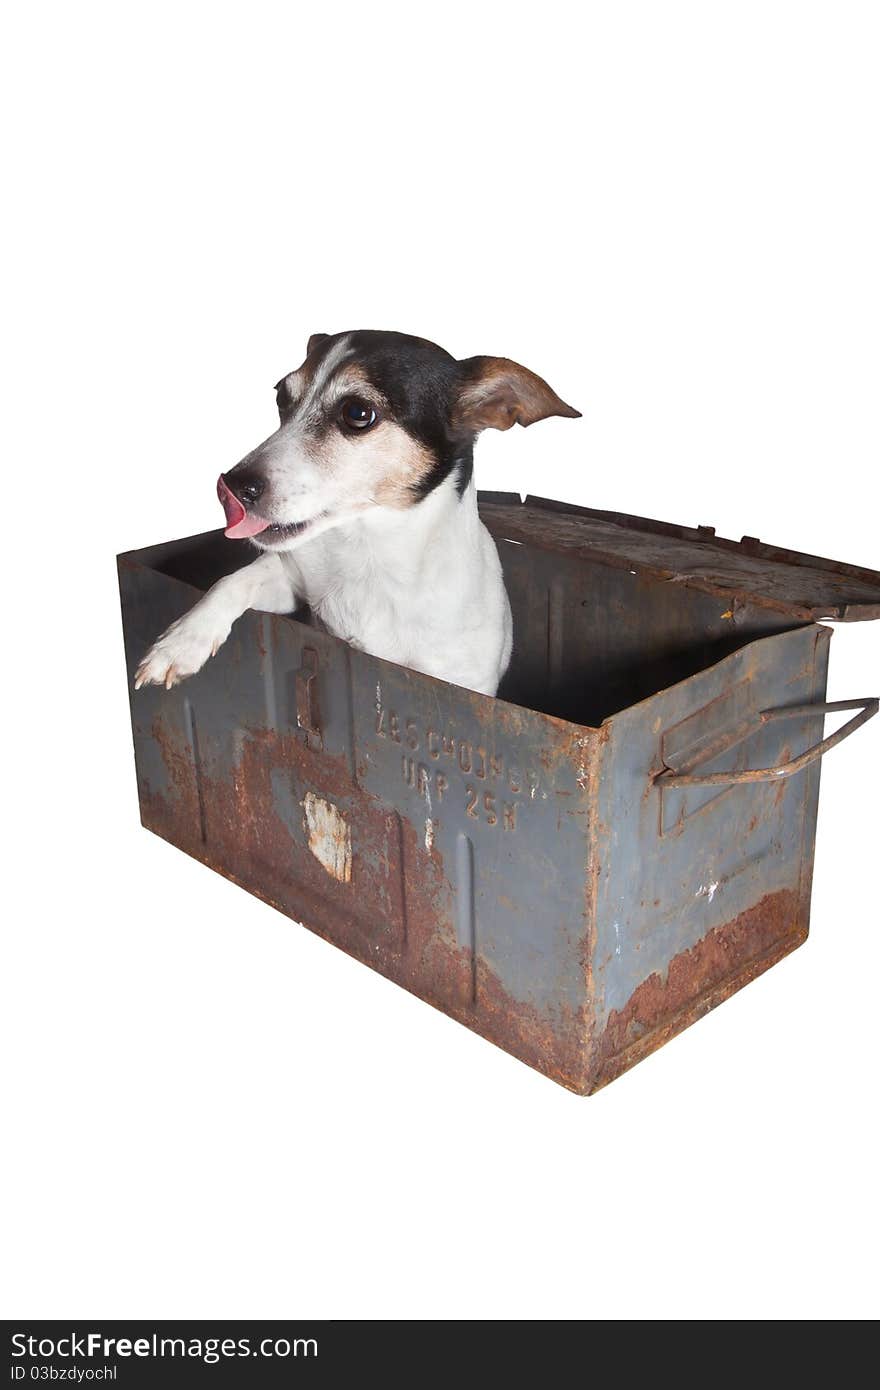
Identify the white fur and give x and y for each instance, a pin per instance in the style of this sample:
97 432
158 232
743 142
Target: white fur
420 585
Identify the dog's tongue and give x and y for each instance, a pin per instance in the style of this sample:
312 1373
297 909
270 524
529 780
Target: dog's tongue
239 523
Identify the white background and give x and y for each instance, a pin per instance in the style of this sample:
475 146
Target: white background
671 212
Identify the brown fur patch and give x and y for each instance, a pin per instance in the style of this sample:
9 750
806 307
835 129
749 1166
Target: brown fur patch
350 379
408 464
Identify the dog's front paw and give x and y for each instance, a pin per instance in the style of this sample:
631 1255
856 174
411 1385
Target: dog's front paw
180 652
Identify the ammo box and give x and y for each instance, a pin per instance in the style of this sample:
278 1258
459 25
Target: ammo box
577 869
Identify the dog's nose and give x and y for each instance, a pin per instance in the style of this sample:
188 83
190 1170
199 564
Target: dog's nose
248 487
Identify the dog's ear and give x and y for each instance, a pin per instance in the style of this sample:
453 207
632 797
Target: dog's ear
496 393
315 341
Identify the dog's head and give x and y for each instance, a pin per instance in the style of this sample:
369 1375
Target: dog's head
371 420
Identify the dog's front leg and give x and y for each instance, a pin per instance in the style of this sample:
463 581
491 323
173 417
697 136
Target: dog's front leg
188 643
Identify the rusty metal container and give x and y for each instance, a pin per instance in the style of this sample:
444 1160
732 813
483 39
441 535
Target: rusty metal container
577 869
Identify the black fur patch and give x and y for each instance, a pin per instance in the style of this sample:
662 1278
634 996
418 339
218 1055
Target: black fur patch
420 381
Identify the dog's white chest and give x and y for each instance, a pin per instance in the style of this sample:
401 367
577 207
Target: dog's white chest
433 601
371 617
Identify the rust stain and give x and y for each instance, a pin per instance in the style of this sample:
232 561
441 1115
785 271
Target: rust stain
697 980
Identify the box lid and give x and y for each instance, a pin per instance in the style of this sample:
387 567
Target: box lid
805 587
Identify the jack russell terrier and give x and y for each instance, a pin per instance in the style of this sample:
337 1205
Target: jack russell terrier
364 506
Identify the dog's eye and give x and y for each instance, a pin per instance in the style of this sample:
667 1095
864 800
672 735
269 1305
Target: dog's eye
356 415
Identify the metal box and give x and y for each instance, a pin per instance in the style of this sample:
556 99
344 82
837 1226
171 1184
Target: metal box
577 869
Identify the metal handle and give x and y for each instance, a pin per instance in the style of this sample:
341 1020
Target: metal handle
673 777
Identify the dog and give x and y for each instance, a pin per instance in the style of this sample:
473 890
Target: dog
364 506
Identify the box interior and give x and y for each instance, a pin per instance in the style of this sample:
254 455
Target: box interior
589 638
